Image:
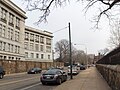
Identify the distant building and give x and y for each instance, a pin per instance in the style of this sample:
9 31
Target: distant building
12 24
91 58
38 45
97 57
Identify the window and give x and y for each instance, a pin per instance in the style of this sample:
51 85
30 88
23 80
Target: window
5 57
41 48
0 29
31 46
36 47
41 39
32 55
11 36
26 36
17 23
26 45
4 45
26 54
0 12
1 57
0 45
37 55
3 15
16 36
9 58
8 47
48 56
8 32
31 37
42 56
11 48
48 41
48 49
12 58
37 38
15 49
11 19
18 49
3 31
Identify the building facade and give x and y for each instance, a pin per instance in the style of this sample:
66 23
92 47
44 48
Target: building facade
38 45
12 24
20 42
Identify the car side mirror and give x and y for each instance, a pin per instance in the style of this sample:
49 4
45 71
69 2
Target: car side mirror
64 72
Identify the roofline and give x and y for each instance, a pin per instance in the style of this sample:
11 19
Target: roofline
16 9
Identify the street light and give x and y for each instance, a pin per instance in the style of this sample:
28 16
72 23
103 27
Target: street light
70 57
85 51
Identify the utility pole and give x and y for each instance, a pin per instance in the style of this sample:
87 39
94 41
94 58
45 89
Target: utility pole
70 57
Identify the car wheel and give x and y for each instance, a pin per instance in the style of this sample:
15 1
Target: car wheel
59 81
65 78
35 72
43 83
1 76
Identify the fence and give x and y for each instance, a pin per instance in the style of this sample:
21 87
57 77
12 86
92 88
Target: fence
111 73
12 66
112 58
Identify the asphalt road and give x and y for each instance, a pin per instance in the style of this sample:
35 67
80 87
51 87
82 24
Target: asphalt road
23 82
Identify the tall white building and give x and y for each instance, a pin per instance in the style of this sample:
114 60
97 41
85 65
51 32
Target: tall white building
20 42
12 24
38 45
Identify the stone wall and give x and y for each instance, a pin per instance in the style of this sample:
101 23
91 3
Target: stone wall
111 73
12 66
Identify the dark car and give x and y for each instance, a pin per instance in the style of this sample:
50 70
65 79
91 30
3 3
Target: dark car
55 76
34 71
2 72
82 67
61 68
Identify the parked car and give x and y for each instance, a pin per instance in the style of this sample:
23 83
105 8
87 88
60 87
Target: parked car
61 68
34 70
75 70
82 67
55 76
2 72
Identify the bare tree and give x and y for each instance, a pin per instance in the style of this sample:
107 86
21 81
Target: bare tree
114 40
79 56
104 7
62 49
45 7
103 52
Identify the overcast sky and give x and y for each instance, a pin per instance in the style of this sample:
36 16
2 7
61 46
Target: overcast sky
82 34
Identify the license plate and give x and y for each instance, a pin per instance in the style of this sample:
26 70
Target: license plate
48 77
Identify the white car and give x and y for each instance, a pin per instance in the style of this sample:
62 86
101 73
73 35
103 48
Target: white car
75 70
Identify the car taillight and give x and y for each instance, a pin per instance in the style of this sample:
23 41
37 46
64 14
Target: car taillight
41 76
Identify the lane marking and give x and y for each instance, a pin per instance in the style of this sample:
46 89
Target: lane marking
30 86
18 81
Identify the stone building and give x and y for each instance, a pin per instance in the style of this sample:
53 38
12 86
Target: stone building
20 42
12 24
38 45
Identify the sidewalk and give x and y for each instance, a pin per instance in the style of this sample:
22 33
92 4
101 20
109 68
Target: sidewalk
89 79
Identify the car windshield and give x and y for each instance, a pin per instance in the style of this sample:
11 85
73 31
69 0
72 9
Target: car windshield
52 71
35 69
